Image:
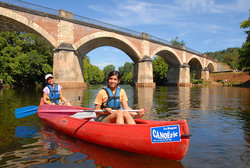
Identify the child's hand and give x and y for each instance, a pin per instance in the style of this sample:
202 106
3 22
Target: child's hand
107 111
141 113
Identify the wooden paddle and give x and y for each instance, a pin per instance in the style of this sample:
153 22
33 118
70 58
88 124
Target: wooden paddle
29 110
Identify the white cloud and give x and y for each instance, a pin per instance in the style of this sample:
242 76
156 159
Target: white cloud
188 19
213 6
136 12
133 12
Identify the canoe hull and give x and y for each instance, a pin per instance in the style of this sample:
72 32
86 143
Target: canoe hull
133 138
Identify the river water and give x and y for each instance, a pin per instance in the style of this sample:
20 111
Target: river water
218 119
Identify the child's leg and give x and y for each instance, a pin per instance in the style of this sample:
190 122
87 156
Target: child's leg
128 118
115 117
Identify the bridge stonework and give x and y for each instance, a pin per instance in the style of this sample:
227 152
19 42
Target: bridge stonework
73 39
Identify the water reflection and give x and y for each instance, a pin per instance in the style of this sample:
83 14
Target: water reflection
54 149
104 157
70 93
143 98
184 98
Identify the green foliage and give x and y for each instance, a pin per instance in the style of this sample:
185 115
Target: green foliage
108 69
24 58
92 74
245 49
127 72
160 70
128 78
229 56
177 43
195 81
232 59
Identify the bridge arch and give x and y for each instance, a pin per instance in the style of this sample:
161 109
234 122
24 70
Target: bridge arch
195 67
173 61
167 51
210 67
99 39
21 23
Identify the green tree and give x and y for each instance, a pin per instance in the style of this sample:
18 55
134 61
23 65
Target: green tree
108 69
245 49
87 69
232 60
98 75
127 72
128 78
92 74
24 58
160 70
176 42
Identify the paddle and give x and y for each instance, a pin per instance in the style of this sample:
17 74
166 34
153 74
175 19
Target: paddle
29 110
79 111
48 111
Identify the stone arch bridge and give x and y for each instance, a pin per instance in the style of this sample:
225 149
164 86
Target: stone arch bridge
74 36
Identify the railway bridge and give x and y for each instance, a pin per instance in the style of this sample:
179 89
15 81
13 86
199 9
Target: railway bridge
73 36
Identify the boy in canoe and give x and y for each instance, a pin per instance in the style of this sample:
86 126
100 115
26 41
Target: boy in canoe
111 98
52 93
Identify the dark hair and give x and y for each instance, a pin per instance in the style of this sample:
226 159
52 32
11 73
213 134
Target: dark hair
114 73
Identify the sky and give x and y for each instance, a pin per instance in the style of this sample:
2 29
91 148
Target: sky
204 25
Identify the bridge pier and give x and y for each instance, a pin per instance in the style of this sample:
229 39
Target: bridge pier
205 74
184 76
173 75
143 73
68 67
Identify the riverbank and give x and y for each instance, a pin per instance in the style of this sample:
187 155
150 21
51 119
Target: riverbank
230 79
241 79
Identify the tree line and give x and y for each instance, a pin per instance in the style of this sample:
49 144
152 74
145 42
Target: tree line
25 58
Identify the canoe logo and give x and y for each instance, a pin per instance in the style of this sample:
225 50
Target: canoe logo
169 133
64 121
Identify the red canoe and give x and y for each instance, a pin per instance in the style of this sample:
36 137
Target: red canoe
165 139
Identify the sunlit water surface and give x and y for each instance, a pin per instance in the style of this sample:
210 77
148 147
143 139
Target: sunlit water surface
218 119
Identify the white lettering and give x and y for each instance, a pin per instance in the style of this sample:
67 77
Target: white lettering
164 135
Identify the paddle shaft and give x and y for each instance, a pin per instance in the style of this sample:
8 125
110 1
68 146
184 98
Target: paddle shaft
78 98
79 111
112 110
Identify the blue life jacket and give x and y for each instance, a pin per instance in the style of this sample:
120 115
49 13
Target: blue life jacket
113 102
54 94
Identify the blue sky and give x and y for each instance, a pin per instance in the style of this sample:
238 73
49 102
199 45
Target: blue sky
204 25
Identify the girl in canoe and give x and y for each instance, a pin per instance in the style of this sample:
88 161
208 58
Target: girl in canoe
112 97
52 93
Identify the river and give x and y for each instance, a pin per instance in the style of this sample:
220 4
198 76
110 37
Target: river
218 119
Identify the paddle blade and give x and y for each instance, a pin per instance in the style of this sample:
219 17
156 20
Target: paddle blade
25 111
